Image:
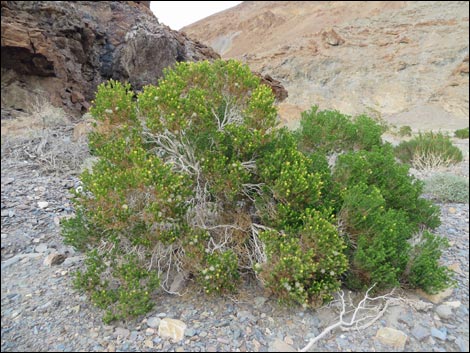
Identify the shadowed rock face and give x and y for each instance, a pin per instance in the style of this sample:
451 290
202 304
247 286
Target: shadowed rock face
405 60
63 49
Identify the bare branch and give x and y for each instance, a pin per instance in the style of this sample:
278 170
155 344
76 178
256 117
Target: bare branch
358 315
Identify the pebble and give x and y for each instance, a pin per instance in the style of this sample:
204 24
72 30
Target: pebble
153 322
43 204
122 332
438 334
444 311
419 332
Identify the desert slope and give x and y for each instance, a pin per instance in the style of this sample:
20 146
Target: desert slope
407 61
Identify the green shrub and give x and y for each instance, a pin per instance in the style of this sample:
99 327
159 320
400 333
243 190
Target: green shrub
405 131
461 133
425 271
399 190
195 178
303 264
447 188
429 150
331 131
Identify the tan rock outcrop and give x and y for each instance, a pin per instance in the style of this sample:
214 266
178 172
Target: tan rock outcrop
404 60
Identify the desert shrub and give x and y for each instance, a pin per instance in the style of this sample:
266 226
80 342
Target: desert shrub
461 133
304 263
405 131
425 271
376 236
194 178
377 205
447 187
399 190
332 131
429 150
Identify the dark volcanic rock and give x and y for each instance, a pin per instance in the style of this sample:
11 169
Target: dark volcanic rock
64 49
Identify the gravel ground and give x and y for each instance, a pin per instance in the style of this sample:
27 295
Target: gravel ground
42 312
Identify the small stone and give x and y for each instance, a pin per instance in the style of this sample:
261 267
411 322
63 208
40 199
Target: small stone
190 332
54 259
438 334
436 298
462 344
161 315
111 347
454 305
172 328
259 301
10 262
280 346
148 343
223 340
7 181
456 268
70 261
122 332
153 322
150 331
256 345
179 349
392 337
41 248
43 204
288 340
134 335
444 311
76 308
211 349
452 210
419 332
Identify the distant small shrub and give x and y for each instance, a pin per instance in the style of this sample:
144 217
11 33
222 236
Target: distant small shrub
461 133
429 150
405 131
447 187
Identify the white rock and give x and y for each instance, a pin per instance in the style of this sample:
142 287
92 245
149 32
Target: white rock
454 305
43 204
172 328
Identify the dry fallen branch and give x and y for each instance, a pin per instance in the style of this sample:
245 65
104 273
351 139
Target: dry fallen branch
361 317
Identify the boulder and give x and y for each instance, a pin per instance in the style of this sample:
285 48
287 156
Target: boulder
64 50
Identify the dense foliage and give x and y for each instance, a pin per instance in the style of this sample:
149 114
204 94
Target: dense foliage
194 177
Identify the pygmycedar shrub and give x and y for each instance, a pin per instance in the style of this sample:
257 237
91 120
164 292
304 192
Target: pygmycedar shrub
194 176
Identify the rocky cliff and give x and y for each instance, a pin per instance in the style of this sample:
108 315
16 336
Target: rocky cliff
63 49
404 60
